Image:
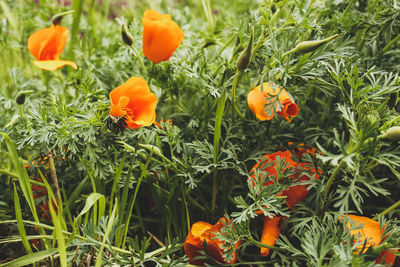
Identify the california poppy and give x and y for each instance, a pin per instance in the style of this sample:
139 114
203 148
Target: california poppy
46 45
134 101
200 232
294 194
259 100
161 36
371 233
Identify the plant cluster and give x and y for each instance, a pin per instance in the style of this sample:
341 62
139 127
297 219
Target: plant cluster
170 133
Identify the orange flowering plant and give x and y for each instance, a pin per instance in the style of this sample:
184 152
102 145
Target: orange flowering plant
161 36
134 102
267 99
204 237
275 165
46 45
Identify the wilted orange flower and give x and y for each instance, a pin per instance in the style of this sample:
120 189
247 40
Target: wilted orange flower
294 194
161 36
372 233
134 101
200 232
258 101
46 45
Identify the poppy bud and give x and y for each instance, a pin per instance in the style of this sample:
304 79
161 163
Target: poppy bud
56 19
21 96
244 59
126 36
308 46
393 134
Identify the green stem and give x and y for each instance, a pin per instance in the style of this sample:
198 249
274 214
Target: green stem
217 135
391 43
259 244
234 84
142 175
140 59
335 172
149 74
386 211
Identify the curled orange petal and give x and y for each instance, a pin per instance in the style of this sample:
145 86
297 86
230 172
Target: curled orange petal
270 233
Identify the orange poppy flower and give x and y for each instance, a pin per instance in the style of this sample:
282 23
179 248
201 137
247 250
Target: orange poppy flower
134 101
200 232
46 45
161 36
258 101
372 233
294 194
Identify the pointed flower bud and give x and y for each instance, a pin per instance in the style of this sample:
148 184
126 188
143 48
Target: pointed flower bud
56 19
308 46
21 97
393 134
126 36
244 59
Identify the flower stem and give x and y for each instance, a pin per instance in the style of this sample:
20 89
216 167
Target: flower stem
335 172
139 58
234 84
386 211
217 135
259 244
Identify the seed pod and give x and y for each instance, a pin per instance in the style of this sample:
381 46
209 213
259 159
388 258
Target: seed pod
308 46
56 19
126 36
244 59
393 134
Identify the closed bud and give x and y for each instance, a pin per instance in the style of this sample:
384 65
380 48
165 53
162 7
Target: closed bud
244 59
126 36
393 134
21 97
308 46
56 19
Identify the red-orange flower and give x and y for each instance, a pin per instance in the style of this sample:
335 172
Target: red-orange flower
46 45
134 101
200 232
294 194
259 100
161 36
372 233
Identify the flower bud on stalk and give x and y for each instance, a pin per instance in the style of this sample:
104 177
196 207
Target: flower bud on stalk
244 59
126 36
393 134
21 97
56 19
308 46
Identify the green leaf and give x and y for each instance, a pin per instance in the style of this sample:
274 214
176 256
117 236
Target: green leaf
31 258
21 228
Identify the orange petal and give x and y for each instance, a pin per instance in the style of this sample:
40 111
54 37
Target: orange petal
54 64
161 36
270 233
38 40
370 230
256 102
387 257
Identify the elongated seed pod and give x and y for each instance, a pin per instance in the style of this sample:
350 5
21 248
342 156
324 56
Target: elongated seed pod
244 59
308 46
